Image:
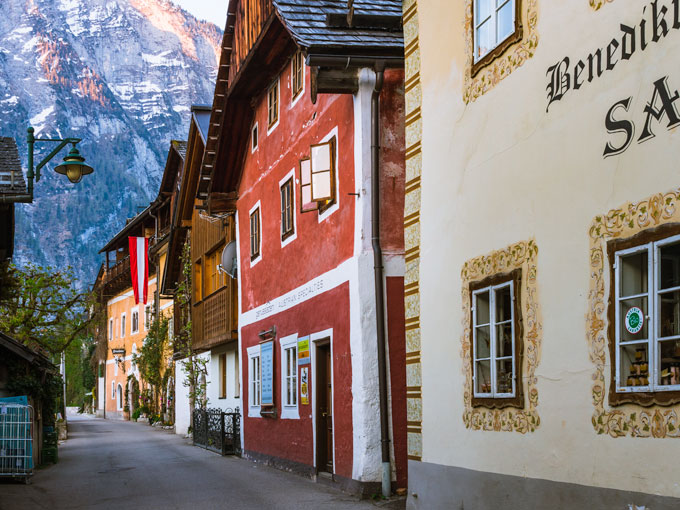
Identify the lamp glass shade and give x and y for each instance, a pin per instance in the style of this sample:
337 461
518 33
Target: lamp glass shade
74 166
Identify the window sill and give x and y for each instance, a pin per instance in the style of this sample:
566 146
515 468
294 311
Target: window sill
254 412
644 399
290 413
498 403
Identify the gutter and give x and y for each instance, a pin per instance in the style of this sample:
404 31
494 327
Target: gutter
378 64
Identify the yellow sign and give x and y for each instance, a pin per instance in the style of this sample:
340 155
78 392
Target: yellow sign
303 351
304 385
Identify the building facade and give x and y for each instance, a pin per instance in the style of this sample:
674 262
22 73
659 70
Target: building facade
541 227
292 161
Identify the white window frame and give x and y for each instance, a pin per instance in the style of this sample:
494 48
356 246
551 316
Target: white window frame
123 320
493 359
111 329
259 256
119 397
276 82
292 81
255 143
293 236
135 312
289 411
334 207
254 397
113 390
654 340
493 19
147 317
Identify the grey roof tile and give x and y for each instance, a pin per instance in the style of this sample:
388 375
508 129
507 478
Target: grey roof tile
11 176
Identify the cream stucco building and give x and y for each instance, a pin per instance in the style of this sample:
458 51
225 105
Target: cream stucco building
542 301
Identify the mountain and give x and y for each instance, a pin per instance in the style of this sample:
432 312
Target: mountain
120 74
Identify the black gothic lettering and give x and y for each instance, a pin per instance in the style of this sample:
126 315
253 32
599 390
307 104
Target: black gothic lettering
618 126
560 81
643 31
628 41
659 20
662 93
611 50
578 69
676 14
591 64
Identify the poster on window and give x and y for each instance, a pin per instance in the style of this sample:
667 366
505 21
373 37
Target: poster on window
303 351
304 386
267 359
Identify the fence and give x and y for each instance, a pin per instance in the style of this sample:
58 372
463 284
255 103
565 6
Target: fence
217 430
16 440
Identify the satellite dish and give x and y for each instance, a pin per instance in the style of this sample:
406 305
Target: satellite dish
229 261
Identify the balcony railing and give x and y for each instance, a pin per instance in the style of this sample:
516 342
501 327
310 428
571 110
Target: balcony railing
213 319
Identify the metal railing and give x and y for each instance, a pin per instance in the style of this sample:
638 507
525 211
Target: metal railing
16 440
217 430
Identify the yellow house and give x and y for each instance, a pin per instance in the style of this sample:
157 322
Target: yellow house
543 258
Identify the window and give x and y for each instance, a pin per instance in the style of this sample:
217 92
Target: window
253 139
237 377
113 390
147 317
645 314
214 278
273 104
110 329
289 400
135 321
120 398
198 278
254 381
255 238
223 375
321 176
122 325
297 75
496 339
287 226
495 24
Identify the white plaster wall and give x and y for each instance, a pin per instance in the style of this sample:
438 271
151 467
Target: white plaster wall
182 407
502 170
213 390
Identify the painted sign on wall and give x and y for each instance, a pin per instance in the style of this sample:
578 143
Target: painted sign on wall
304 386
267 360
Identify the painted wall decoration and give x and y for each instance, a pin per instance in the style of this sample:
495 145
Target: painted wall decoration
522 255
630 419
488 77
597 4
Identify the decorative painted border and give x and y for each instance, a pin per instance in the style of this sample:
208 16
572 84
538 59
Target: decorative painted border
488 77
597 4
413 123
522 255
630 419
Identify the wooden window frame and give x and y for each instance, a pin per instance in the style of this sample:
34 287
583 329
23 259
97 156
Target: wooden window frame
650 240
134 321
222 362
255 237
315 207
212 260
147 317
501 46
297 76
325 204
287 209
112 329
198 281
123 324
254 137
273 102
493 283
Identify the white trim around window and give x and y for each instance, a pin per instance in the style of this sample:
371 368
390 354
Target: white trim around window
289 378
254 381
147 317
113 390
250 213
334 133
111 330
494 22
254 138
123 320
292 81
134 323
276 83
293 236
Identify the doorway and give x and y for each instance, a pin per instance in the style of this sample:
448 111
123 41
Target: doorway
324 408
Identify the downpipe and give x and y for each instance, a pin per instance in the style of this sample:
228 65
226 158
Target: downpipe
379 282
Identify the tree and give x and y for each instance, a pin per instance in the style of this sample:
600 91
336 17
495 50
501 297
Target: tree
44 309
150 358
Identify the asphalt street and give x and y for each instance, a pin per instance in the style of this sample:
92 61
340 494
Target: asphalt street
125 465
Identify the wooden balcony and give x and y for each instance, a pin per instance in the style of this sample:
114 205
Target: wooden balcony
214 320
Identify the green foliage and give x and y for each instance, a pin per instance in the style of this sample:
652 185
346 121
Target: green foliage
26 379
136 414
80 376
150 358
44 309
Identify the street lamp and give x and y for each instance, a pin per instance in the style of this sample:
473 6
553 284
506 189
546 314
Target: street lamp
73 166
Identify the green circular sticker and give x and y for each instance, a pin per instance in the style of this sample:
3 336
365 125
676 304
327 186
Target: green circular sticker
634 320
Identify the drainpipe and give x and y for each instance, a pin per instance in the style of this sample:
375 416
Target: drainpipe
379 283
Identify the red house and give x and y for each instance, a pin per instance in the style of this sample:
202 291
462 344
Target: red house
306 149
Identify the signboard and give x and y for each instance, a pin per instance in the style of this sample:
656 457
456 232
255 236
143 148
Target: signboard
267 360
118 351
635 319
304 386
303 351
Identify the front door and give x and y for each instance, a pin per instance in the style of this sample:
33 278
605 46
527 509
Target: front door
324 409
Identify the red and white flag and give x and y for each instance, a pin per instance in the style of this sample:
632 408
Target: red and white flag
139 266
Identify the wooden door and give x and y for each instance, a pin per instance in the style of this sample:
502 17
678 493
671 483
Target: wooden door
324 409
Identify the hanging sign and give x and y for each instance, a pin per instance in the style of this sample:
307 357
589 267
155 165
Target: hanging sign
267 360
304 386
634 320
303 351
